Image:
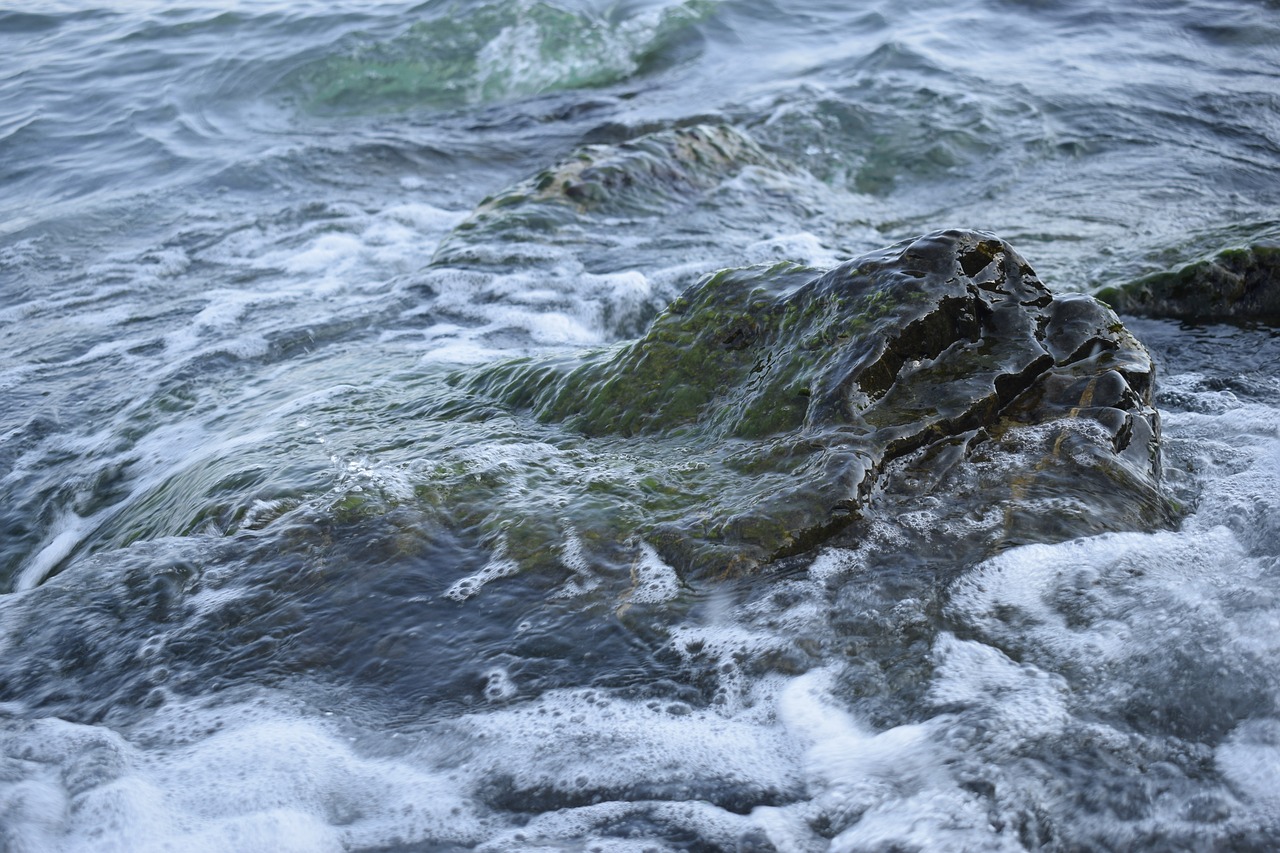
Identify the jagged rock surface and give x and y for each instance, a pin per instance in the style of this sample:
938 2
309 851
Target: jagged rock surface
791 391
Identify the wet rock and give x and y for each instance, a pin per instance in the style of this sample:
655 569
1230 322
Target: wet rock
769 403
1233 285
635 184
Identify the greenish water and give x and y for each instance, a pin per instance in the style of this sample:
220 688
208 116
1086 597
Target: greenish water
284 567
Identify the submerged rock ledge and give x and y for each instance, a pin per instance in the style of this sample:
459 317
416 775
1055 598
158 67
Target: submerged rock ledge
784 392
1239 284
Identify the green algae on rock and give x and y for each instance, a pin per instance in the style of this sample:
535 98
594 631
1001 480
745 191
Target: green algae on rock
793 389
1241 284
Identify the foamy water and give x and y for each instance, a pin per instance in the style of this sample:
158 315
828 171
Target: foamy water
1048 656
254 597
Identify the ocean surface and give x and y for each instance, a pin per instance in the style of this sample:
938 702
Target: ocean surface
242 606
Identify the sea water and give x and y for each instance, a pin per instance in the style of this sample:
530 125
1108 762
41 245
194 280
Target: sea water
231 617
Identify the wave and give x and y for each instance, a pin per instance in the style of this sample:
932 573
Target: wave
501 51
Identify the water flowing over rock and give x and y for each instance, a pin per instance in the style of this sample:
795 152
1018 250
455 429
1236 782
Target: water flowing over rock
601 241
1233 285
662 190
778 398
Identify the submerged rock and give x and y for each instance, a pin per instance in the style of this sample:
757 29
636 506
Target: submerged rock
1236 284
592 248
764 407
637 186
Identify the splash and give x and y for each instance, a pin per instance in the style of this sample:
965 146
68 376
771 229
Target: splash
500 52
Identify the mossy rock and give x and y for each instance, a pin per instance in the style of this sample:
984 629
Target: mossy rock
1240 284
792 390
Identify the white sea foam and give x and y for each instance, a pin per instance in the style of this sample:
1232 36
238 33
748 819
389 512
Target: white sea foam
723 643
652 579
1058 640
832 562
1047 644
588 740
107 349
391 480
499 686
555 306
498 566
331 254
801 248
270 775
573 556
263 780
168 262
1250 761
864 781
1017 701
66 535
1042 642
1051 692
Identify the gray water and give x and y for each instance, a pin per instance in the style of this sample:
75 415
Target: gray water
236 609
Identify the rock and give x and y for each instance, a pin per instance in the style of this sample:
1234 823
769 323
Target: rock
768 403
639 185
1234 285
606 238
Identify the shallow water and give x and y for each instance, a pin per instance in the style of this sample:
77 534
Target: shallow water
253 598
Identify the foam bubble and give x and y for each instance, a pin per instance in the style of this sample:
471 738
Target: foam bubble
652 579
390 480
338 251
950 819
168 262
1016 701
594 828
498 566
725 645
499 686
1168 626
109 349
833 562
421 218
1247 501
554 306
1132 605
573 556
271 774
